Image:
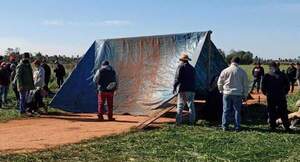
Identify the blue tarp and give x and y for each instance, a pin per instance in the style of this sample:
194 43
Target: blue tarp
145 67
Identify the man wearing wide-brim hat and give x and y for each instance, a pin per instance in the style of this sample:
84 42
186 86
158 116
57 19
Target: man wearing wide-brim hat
185 86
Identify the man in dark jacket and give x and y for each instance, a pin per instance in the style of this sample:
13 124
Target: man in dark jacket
185 81
275 86
258 73
298 73
4 83
106 80
291 73
60 73
24 80
47 74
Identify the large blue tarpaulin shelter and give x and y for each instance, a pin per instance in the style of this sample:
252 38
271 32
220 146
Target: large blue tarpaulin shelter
145 67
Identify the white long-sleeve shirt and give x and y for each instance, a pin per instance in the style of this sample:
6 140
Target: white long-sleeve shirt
39 77
233 81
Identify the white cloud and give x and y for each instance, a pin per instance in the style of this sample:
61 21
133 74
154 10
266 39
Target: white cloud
110 23
53 23
115 23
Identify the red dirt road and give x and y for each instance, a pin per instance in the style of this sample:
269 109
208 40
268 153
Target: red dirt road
49 131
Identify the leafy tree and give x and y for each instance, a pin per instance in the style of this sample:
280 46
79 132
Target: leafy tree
245 56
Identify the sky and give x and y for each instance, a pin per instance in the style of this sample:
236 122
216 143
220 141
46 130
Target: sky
267 28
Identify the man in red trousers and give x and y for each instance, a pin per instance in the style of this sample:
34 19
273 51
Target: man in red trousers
106 80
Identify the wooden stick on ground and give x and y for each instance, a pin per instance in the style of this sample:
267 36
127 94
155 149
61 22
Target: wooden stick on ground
155 117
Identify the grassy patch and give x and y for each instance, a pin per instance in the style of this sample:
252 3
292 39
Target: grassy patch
186 143
292 99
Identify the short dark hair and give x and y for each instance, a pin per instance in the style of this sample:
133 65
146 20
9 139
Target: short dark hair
298 63
273 64
26 55
105 63
1 57
236 60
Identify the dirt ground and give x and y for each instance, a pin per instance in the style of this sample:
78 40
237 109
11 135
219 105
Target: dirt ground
29 135
49 131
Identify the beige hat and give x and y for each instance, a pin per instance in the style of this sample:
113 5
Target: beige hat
184 57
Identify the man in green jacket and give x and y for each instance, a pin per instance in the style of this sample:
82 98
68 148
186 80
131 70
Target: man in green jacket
24 80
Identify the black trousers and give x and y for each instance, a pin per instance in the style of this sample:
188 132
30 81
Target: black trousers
256 82
277 108
60 81
292 83
47 80
15 89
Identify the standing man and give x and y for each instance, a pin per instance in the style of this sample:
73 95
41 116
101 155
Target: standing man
60 73
106 80
24 80
291 73
39 75
275 86
258 73
233 84
185 81
47 70
298 74
4 83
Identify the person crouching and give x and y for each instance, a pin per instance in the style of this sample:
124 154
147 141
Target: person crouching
106 80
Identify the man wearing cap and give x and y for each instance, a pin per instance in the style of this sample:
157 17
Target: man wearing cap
24 80
233 84
291 73
275 85
185 81
106 80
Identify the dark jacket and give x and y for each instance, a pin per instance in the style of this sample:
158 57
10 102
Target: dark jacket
60 71
185 78
298 74
24 76
291 73
4 77
275 85
104 76
47 71
258 72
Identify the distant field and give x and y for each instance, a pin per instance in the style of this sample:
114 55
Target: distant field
248 69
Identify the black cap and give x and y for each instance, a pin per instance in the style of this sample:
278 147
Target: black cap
26 55
105 63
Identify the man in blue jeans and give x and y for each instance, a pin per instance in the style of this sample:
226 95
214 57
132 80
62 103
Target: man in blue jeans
185 80
233 84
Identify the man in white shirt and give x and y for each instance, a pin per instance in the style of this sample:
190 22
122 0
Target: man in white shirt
39 75
233 84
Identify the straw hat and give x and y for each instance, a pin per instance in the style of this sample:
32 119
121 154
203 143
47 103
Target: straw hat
184 57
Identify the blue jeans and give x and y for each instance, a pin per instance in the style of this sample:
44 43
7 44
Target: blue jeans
231 106
22 104
3 93
186 98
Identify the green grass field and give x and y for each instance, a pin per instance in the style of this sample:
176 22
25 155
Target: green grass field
203 142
